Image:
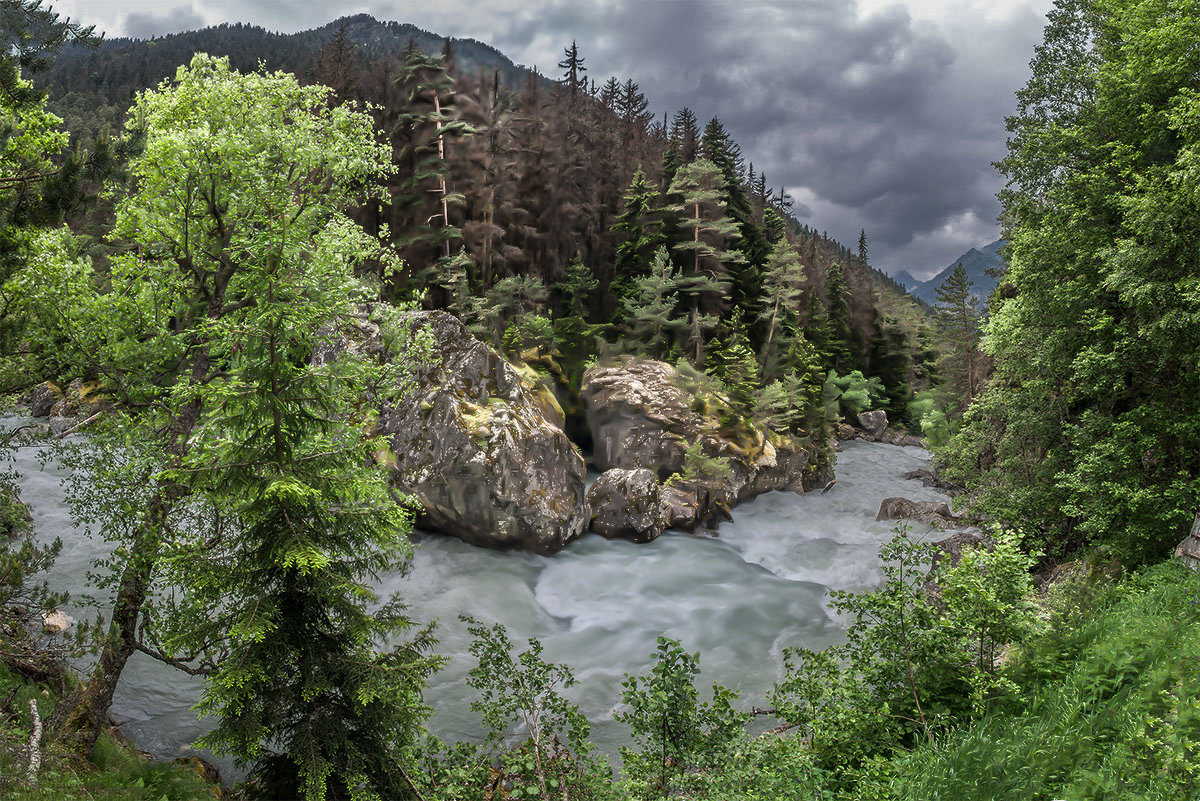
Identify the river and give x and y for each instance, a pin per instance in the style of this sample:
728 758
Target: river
598 605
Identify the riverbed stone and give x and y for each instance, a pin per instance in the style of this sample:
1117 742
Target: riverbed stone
643 415
55 622
628 504
42 398
932 513
893 437
472 443
874 423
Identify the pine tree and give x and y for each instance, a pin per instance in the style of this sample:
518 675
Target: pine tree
703 214
640 231
650 310
781 294
573 69
958 318
862 247
421 133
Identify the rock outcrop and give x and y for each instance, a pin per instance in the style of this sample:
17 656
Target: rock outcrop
42 399
1188 551
628 504
932 513
642 417
473 443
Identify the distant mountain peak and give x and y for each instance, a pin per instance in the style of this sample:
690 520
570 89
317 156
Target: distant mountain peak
976 262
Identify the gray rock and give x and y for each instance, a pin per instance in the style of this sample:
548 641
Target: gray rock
1189 550
42 399
641 417
893 437
874 423
932 513
472 445
628 504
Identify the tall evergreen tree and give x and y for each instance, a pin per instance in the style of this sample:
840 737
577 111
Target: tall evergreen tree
573 69
781 296
640 232
650 310
958 317
845 341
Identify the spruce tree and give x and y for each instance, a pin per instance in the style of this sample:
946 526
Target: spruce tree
781 295
573 69
958 318
845 342
640 232
650 310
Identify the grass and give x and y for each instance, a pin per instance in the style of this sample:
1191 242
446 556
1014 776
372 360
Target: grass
1112 712
116 771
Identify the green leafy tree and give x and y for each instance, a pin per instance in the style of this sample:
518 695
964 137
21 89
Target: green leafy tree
1090 429
675 732
244 257
526 691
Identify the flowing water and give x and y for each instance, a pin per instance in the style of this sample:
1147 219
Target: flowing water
739 598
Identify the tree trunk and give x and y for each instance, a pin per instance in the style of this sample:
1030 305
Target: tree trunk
84 714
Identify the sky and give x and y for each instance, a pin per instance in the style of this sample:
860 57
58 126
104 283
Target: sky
883 115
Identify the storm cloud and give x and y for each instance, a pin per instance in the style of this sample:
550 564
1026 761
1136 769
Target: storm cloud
883 117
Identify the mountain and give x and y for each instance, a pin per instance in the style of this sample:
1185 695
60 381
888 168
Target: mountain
905 279
976 261
119 67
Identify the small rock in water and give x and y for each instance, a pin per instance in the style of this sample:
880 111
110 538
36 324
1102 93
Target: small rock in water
55 622
932 513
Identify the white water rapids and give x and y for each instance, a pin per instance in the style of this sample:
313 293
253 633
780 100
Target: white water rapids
598 605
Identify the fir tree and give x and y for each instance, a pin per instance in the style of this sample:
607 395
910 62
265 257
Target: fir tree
573 69
640 231
650 311
958 318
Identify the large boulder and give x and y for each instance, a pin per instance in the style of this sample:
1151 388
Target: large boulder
874 423
643 416
42 399
473 443
628 504
932 513
1188 551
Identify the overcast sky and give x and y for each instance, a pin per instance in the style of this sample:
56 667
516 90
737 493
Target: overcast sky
880 114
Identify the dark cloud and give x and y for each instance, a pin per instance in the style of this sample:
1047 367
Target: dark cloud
143 26
877 121
873 120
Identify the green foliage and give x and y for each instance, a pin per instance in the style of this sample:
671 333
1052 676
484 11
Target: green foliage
850 395
919 656
116 772
699 466
1090 430
650 309
556 760
511 301
958 320
675 734
1108 709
